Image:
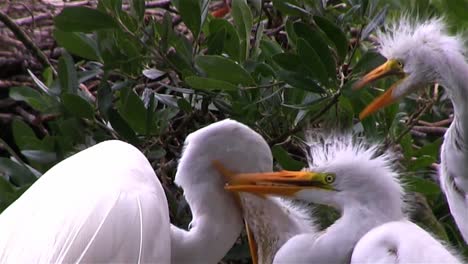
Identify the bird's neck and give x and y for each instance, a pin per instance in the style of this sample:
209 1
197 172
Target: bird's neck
454 78
216 224
337 242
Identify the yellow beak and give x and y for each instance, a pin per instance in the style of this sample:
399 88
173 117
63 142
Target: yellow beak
283 183
391 67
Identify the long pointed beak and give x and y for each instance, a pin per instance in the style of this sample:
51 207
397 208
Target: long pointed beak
385 99
283 183
391 67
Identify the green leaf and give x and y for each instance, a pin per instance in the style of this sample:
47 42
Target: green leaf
157 153
300 81
289 61
41 85
104 97
421 185
78 106
5 187
40 156
283 158
83 19
290 7
184 105
153 73
244 22
421 162
167 99
30 96
67 74
231 43
335 34
312 60
190 11
78 44
18 174
368 61
133 110
290 31
431 149
270 48
223 69
216 42
151 116
121 126
24 135
315 40
209 84
138 9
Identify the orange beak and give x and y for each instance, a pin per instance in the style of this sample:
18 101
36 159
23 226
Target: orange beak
282 183
391 67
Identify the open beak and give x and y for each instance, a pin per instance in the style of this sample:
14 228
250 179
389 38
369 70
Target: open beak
282 183
389 68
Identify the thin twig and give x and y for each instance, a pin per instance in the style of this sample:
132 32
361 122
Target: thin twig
413 121
441 123
431 130
5 146
19 33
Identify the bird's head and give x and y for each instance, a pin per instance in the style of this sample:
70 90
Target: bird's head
417 53
233 144
342 171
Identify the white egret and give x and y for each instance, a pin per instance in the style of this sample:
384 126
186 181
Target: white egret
362 184
422 54
106 205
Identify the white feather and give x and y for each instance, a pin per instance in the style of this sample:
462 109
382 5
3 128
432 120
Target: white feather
430 54
89 214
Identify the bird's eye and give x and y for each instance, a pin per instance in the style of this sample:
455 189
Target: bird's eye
329 178
400 64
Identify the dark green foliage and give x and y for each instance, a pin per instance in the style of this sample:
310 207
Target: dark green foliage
145 80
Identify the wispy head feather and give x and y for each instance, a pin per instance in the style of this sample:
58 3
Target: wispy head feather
401 37
363 171
323 148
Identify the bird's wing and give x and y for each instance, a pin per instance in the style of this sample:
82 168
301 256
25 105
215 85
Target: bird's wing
104 204
454 175
400 242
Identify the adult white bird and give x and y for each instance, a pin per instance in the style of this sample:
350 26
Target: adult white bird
362 184
424 53
106 205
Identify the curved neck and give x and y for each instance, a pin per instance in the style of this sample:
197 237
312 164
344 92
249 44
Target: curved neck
454 78
215 227
339 239
336 243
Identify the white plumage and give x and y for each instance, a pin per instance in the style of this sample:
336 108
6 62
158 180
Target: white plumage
425 53
360 181
106 205
401 242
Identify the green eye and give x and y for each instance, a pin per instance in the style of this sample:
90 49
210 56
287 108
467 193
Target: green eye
400 64
329 178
